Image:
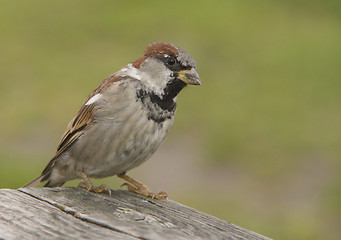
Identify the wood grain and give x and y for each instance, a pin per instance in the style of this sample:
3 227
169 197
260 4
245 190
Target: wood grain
73 213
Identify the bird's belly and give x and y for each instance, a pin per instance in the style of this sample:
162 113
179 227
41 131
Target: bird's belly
116 147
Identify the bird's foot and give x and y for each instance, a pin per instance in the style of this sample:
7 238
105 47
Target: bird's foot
87 184
94 189
144 190
138 187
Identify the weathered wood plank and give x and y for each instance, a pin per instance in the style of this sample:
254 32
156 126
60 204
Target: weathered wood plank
25 217
73 213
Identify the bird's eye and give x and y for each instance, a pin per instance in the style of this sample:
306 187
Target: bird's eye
171 61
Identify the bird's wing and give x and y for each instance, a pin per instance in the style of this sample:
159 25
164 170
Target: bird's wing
80 122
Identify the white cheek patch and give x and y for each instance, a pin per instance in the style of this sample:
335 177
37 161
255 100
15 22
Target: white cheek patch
94 99
155 75
130 71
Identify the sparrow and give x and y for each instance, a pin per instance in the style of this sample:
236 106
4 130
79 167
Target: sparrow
123 121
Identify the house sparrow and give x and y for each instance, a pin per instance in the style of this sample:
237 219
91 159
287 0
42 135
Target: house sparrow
123 121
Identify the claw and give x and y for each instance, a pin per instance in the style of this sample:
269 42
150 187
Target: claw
161 196
138 187
87 184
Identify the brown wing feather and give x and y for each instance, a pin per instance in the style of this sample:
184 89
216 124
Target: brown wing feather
79 123
74 130
76 127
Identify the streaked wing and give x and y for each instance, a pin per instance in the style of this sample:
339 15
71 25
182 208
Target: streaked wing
81 121
84 117
76 127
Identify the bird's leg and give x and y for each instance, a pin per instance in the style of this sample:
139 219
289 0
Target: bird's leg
87 184
138 187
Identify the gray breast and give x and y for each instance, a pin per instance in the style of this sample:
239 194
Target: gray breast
125 133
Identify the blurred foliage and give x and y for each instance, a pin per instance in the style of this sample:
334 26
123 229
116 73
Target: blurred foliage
269 104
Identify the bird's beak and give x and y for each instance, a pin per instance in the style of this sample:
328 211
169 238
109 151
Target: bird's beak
190 77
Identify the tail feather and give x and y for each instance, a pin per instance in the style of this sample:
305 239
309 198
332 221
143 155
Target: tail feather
35 182
51 183
53 180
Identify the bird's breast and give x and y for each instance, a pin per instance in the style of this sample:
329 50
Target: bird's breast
124 135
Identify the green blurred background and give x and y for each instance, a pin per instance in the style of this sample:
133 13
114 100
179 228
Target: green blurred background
258 144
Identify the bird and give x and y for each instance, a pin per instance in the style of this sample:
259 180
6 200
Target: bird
123 121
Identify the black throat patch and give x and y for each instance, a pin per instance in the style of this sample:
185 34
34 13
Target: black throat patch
160 108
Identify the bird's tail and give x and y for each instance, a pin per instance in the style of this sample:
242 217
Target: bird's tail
45 176
57 182
35 182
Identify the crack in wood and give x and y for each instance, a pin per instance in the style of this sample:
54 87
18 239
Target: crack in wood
124 214
78 216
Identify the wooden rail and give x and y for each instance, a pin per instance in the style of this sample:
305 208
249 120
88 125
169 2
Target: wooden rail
74 213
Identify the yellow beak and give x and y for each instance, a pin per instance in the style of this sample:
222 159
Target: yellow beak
189 77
